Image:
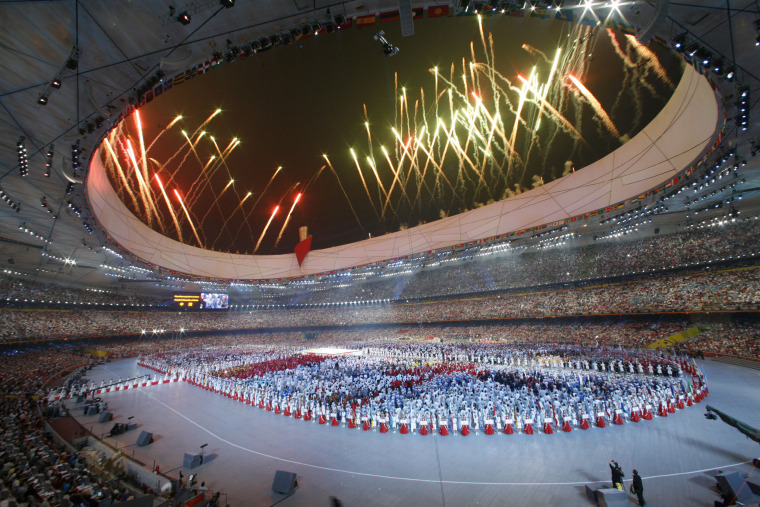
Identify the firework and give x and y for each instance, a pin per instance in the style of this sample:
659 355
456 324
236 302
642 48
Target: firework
190 220
465 142
598 109
170 207
287 219
269 222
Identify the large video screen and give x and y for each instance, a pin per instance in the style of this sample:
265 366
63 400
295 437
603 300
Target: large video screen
212 301
202 301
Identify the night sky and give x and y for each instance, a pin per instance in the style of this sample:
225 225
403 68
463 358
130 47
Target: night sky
290 105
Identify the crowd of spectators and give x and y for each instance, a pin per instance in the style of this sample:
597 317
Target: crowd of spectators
740 339
490 268
16 287
525 263
524 282
38 470
730 290
623 333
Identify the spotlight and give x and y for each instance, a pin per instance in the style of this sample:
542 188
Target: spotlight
75 150
730 74
184 18
705 58
42 100
718 67
23 161
679 41
227 3
743 107
56 83
73 60
49 161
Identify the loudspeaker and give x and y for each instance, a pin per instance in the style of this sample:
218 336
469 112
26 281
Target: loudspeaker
117 429
191 461
91 410
105 417
284 482
144 439
732 485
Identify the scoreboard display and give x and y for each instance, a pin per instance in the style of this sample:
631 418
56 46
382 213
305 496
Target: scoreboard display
202 301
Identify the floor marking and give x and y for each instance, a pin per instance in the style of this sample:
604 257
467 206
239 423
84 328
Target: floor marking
410 479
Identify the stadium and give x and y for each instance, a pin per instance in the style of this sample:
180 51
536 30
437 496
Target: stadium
379 253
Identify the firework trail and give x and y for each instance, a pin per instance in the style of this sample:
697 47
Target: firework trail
598 109
292 187
247 215
651 59
393 183
364 183
314 177
190 220
143 162
329 164
217 197
176 153
200 184
265 228
145 194
171 208
454 147
534 51
164 130
618 51
120 172
287 219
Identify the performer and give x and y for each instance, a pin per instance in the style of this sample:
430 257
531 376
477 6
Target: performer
638 487
617 475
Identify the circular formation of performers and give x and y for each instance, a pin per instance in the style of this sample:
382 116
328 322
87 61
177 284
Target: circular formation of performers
446 388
